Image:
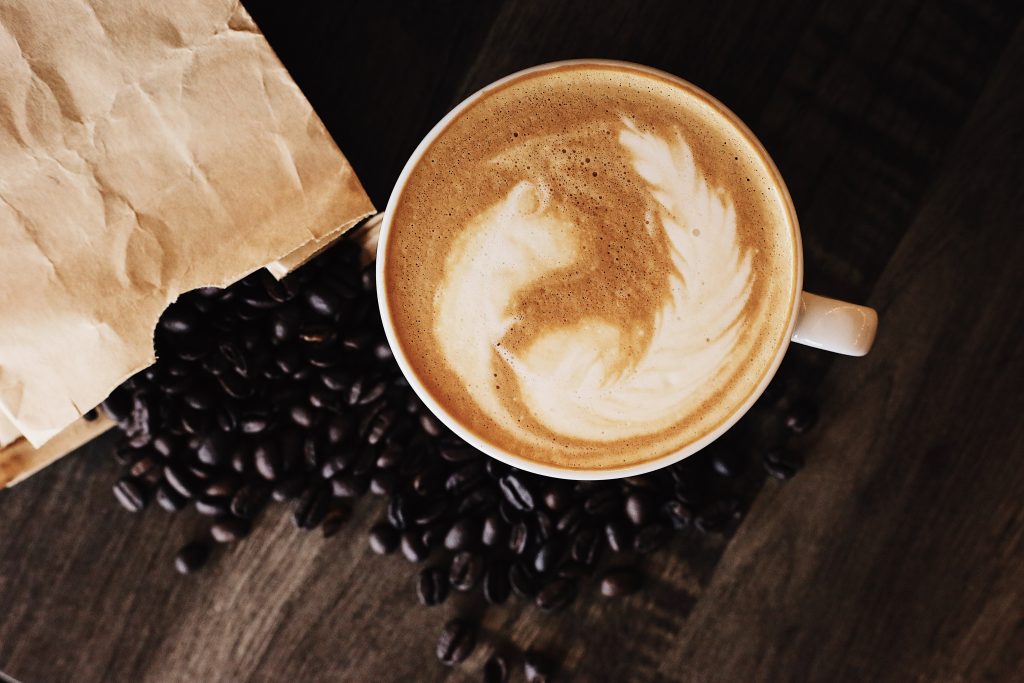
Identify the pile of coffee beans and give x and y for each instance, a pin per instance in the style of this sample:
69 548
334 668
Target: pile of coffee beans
287 391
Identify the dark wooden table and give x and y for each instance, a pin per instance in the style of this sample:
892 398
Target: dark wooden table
896 555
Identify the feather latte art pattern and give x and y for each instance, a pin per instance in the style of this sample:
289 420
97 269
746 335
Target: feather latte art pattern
590 377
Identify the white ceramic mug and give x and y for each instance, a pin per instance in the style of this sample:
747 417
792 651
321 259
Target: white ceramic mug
814 320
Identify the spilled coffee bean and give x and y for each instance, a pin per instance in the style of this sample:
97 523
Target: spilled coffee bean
431 586
271 392
620 581
191 557
456 643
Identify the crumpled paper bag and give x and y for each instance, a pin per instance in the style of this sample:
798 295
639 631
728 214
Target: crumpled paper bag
146 149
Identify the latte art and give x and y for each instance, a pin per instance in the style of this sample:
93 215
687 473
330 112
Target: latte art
598 378
590 268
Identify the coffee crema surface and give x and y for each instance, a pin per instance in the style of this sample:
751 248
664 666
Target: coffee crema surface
590 267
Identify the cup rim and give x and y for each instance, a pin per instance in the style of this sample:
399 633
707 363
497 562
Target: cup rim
521 462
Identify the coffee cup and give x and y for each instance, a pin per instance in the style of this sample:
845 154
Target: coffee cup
591 269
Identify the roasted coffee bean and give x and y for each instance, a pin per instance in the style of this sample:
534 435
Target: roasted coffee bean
349 486
801 416
719 516
390 457
288 362
459 453
431 586
522 580
334 519
302 415
430 424
314 451
458 638
118 405
235 357
651 537
168 498
586 546
496 669
336 464
241 459
143 465
316 334
727 463
249 500
371 392
557 498
519 538
686 491
268 460
548 555
545 527
573 570
130 494
556 594
570 521
537 667
516 492
413 548
364 461
428 482
199 399
178 319
213 506
382 351
227 420
383 483
782 463
125 454
433 535
336 380
639 508
322 301
181 479
619 581
215 449
253 423
383 539
619 536
399 513
165 444
323 358
679 514
602 502
463 534
496 586
379 427
196 421
311 507
289 488
229 529
478 502
430 510
191 557
495 531
465 478
465 571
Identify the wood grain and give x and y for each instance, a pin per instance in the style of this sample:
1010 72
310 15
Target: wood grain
895 556
900 550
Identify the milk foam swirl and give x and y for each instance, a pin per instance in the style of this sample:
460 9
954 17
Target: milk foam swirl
594 377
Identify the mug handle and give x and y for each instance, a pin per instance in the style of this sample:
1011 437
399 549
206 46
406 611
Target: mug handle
835 325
